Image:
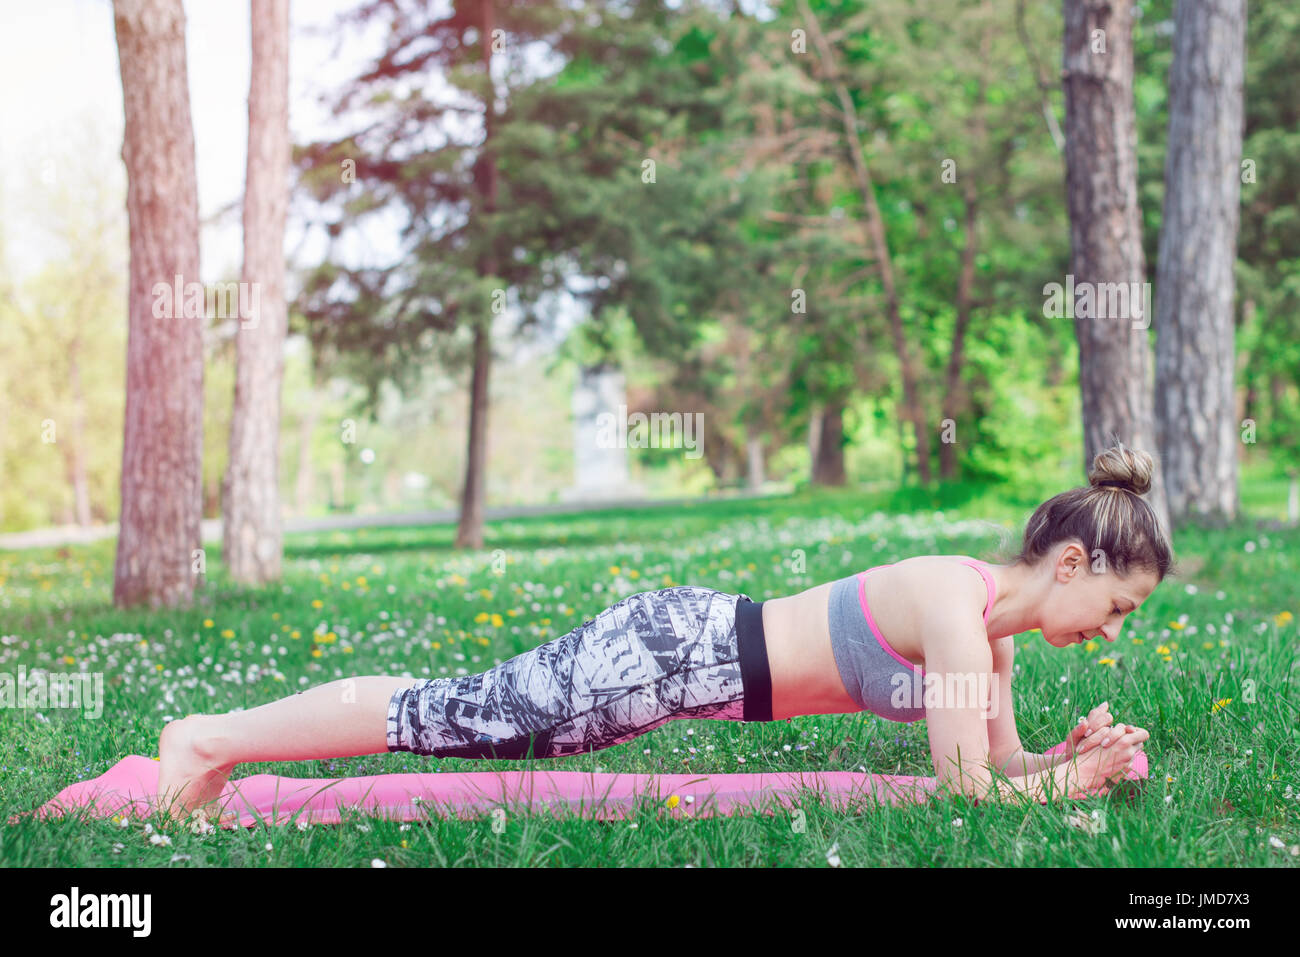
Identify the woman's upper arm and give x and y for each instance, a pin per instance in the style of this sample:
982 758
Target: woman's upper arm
958 659
1004 739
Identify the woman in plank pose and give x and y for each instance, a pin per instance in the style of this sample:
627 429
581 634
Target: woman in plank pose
901 640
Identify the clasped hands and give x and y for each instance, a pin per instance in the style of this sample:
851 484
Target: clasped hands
1103 749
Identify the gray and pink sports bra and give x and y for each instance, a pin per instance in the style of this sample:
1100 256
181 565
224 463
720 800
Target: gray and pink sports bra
878 678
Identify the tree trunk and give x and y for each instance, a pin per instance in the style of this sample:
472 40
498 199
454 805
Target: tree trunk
958 403
1195 348
913 406
77 454
162 450
828 460
469 531
754 458
252 538
1106 231
305 481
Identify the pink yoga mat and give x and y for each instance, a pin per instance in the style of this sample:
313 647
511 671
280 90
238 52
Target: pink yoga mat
127 787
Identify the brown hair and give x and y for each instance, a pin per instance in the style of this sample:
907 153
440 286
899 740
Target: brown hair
1109 515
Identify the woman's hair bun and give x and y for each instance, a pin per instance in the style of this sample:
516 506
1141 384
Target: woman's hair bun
1122 467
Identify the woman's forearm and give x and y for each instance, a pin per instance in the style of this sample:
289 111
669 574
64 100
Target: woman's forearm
1026 762
1042 786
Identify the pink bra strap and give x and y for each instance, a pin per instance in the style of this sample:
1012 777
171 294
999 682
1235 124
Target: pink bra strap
988 583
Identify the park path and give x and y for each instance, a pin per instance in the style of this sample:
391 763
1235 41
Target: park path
211 528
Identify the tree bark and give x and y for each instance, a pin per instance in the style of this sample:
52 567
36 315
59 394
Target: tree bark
162 452
77 472
955 392
305 480
913 407
252 537
754 458
1195 348
1106 230
469 530
828 460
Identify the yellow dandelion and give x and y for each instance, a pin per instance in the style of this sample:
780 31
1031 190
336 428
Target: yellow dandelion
361 580
673 801
376 570
346 586
484 642
458 580
1090 646
481 617
1207 645
435 645
497 620
275 616
1177 625
1162 649
317 603
69 659
614 569
295 634
157 667
284 627
545 621
227 633
347 649
208 622
634 574
1138 641
1221 703
1106 661
1282 619
316 652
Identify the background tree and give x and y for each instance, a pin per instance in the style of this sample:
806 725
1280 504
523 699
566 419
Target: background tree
163 437
251 534
1106 228
1195 275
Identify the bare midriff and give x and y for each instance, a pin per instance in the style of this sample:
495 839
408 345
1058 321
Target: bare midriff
805 677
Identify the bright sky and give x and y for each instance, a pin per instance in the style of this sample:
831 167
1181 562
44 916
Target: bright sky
63 97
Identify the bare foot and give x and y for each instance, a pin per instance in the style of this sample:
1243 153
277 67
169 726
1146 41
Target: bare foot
190 777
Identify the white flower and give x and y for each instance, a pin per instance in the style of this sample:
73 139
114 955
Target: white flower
377 863
633 826
117 848
690 799
833 855
268 845
1191 589
1275 841
956 822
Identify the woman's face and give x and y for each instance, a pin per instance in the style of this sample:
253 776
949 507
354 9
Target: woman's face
1084 604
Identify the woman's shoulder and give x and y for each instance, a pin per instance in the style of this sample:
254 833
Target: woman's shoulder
947 578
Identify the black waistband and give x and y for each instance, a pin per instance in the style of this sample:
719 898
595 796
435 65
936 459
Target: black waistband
752 650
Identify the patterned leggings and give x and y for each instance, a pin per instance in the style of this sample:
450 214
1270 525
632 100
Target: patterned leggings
652 657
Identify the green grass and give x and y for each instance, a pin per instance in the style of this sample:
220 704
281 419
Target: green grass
1223 779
